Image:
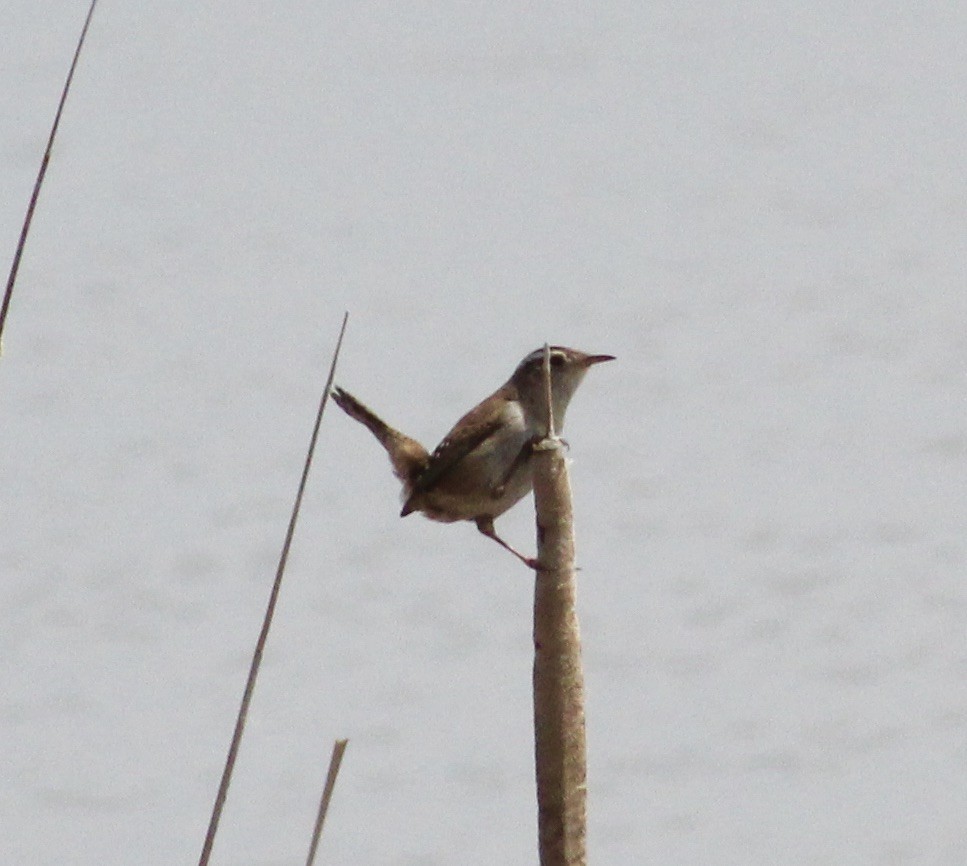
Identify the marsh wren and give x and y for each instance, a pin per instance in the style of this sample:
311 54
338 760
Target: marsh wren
483 465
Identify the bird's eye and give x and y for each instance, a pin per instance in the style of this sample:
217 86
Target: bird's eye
557 360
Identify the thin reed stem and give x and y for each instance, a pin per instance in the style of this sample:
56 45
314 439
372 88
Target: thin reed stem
25 228
338 749
269 613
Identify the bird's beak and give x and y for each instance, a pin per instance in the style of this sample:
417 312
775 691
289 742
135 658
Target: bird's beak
591 360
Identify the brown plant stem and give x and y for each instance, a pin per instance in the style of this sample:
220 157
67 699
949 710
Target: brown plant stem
338 749
559 731
256 664
41 173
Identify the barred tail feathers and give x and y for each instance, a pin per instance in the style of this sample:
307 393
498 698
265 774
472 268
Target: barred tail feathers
409 457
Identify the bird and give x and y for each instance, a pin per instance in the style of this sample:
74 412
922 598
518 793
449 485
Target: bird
482 467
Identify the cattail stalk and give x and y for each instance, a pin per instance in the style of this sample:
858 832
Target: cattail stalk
559 731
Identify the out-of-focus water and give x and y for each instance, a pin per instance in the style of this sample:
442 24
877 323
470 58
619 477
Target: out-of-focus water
760 210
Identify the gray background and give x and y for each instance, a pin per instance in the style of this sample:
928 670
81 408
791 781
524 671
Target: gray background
759 207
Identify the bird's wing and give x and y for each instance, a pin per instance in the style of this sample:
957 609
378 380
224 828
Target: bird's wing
451 451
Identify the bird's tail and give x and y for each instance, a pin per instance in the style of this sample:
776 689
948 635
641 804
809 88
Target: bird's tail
409 457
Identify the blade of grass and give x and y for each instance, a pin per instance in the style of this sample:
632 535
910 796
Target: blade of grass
269 613
25 229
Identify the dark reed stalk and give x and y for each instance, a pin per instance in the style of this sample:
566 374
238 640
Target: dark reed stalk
559 733
269 613
25 228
